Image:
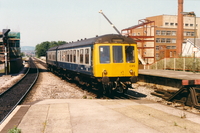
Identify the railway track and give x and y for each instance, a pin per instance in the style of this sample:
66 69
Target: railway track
15 94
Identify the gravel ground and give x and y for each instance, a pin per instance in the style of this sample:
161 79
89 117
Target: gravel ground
50 86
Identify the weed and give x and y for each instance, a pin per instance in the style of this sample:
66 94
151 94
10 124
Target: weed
175 124
84 97
183 115
14 130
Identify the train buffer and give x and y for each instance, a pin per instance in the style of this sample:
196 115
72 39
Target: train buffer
188 84
192 96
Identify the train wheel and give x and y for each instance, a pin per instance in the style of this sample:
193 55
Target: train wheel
107 89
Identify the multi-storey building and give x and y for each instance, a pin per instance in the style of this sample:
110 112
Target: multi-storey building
163 36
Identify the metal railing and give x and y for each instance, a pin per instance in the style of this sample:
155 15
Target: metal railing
176 64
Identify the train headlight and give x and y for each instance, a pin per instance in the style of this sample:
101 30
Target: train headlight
131 71
105 72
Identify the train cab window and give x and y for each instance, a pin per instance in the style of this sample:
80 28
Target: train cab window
104 54
117 54
86 56
129 52
70 56
74 54
81 56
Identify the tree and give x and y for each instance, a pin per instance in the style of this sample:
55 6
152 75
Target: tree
22 54
41 48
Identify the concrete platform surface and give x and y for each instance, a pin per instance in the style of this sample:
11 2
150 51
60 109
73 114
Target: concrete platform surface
100 116
170 74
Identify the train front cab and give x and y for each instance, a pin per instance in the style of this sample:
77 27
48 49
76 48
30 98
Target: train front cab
116 65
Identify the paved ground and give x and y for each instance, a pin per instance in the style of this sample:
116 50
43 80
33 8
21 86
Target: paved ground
99 116
170 74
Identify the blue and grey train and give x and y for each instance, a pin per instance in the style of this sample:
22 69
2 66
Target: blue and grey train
109 61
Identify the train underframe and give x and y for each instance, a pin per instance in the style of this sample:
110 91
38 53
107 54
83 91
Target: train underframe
106 85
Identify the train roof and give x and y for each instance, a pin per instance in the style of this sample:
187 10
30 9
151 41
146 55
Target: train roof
108 38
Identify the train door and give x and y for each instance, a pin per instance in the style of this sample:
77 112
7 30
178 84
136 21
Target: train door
78 56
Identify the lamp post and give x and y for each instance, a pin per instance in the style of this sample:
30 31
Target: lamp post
194 49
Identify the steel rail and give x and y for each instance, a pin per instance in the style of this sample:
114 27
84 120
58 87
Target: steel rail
26 92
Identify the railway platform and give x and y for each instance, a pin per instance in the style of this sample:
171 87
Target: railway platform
97 116
170 78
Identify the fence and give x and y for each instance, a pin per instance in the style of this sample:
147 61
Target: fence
177 64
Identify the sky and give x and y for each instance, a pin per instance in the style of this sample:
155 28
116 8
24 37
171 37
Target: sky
70 20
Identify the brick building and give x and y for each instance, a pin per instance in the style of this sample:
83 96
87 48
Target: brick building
162 36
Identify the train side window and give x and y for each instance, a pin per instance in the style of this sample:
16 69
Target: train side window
81 56
70 56
49 56
87 56
74 54
62 56
67 55
129 52
104 54
117 54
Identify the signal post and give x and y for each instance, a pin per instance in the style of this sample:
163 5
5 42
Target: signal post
5 43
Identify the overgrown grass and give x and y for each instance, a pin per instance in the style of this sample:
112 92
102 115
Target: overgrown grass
178 64
14 130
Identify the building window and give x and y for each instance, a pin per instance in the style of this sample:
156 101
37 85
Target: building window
163 32
171 24
168 40
188 34
173 47
173 33
157 32
192 33
173 40
158 40
157 48
168 33
186 25
162 40
191 25
168 47
176 24
166 23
